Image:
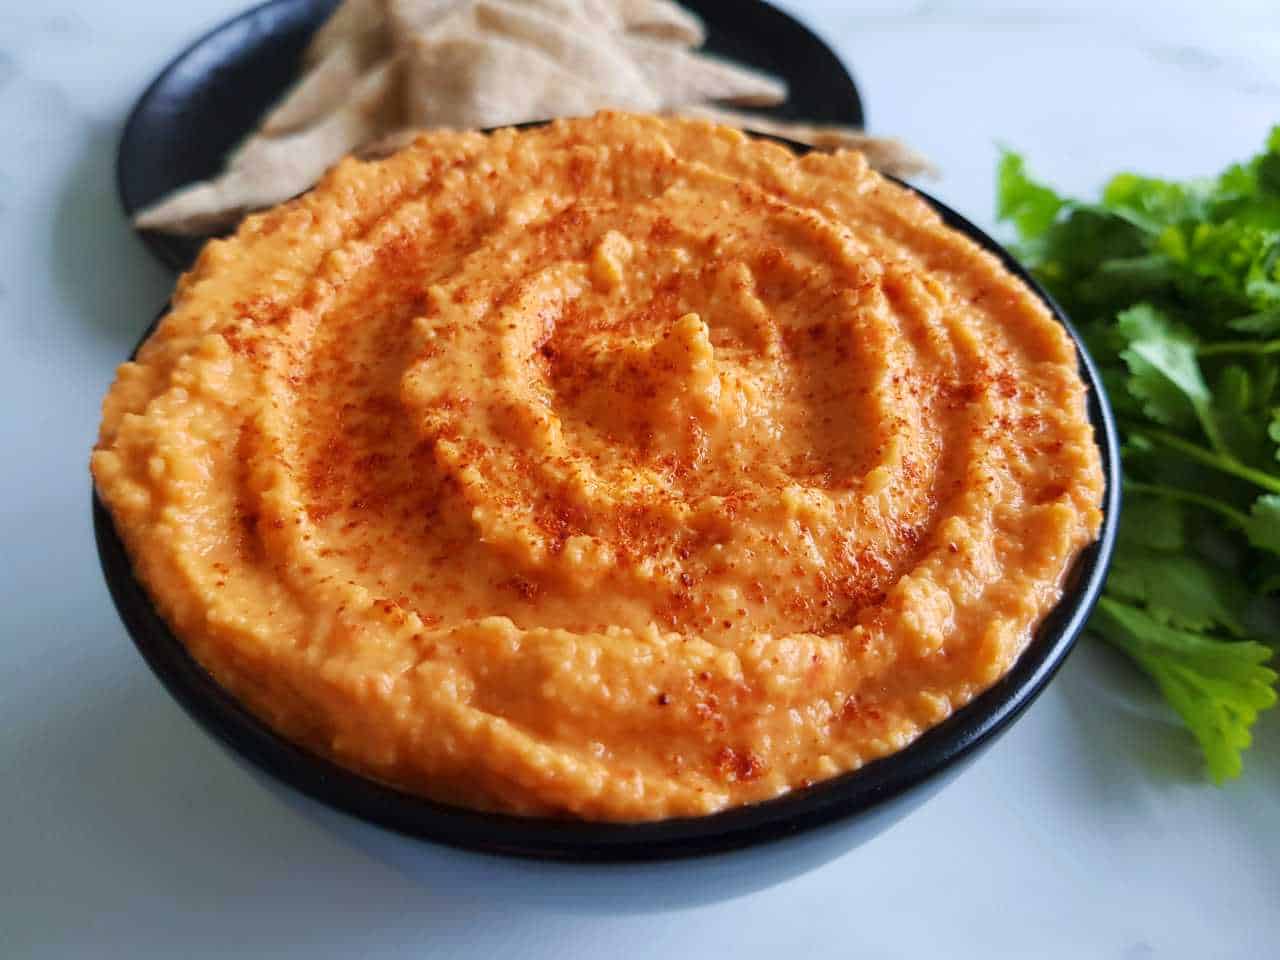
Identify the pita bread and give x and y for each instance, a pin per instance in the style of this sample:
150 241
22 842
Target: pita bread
359 23
496 62
662 20
469 81
322 89
592 53
394 142
266 170
582 67
681 76
408 17
378 69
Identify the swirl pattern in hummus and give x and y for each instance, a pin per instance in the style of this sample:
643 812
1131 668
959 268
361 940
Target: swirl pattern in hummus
624 468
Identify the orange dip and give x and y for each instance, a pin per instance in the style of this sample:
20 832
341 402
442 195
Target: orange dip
622 469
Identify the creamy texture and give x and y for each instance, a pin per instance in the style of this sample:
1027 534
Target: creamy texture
623 468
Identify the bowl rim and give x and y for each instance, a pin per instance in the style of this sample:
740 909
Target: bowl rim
842 797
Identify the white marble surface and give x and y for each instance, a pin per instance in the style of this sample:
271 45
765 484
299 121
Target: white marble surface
1086 832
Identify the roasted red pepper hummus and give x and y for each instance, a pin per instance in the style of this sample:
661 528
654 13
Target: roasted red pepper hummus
624 468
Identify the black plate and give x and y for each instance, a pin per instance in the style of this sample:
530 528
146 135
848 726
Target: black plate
889 786
213 94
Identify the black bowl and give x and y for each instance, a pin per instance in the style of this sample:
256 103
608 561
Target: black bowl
861 803
212 94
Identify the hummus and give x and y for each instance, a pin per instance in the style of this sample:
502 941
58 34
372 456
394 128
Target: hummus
623 468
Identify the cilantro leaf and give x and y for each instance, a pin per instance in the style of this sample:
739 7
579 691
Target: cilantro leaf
1236 261
1235 394
1265 323
1165 373
1180 589
1152 521
1155 204
1030 205
1217 686
1262 281
1176 287
1263 527
1233 391
1070 257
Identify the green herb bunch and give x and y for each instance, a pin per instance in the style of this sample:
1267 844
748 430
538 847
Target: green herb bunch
1175 288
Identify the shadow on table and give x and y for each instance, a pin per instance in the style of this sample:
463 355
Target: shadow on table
99 264
1140 758
136 829
1262 761
1128 726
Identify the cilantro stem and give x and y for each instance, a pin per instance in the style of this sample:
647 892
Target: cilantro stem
1238 517
1218 461
1255 347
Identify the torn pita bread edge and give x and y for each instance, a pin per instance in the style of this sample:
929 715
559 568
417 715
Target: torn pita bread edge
662 20
356 22
690 76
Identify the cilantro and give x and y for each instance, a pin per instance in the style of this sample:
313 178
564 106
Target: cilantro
1263 525
1217 686
1154 204
1180 589
1264 323
1165 372
1031 206
1176 289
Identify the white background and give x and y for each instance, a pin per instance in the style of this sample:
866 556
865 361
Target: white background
1086 832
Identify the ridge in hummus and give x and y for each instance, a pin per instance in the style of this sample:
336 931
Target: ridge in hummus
624 468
